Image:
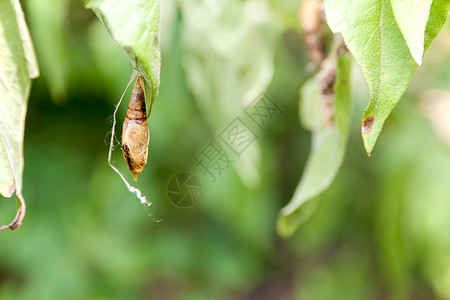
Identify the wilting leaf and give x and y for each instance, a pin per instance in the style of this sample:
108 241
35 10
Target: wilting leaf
17 66
374 38
327 147
135 27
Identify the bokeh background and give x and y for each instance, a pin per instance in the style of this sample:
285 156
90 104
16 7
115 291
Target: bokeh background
381 231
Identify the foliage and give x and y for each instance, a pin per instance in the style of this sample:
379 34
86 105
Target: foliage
18 66
379 230
135 26
328 141
371 33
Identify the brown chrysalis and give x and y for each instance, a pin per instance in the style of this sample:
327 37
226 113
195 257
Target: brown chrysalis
135 134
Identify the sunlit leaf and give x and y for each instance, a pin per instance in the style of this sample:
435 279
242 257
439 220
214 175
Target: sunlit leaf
327 150
374 38
412 17
17 66
135 27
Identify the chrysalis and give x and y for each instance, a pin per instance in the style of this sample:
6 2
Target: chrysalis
135 134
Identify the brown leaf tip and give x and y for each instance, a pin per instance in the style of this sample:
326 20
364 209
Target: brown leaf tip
15 224
368 125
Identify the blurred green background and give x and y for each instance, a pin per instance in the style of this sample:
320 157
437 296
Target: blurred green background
381 231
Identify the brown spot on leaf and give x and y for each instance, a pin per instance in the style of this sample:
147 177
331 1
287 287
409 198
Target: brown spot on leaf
368 125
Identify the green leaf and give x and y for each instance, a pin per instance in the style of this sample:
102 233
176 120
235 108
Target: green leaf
412 17
135 25
374 38
228 59
327 150
17 66
48 20
229 54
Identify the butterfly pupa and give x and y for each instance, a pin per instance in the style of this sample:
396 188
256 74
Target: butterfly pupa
135 134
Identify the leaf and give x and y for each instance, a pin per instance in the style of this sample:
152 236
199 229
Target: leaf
412 17
327 147
228 49
229 54
134 25
48 20
374 38
17 66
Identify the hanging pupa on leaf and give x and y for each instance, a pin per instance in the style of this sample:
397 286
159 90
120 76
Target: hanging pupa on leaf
135 134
